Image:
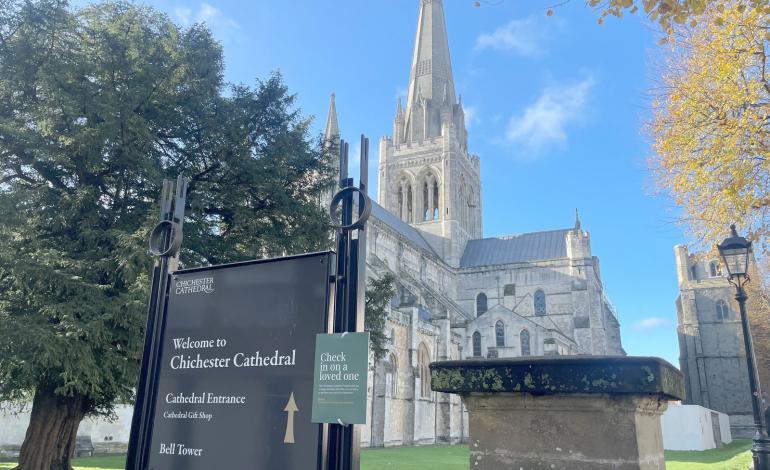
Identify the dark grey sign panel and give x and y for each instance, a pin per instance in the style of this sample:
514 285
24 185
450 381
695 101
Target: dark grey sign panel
236 379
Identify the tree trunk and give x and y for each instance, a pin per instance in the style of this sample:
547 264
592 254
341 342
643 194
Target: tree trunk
50 440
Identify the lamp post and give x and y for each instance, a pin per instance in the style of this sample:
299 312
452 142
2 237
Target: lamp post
736 252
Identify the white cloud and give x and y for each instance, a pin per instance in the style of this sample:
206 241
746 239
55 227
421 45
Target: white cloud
544 122
184 15
650 323
471 116
525 36
221 25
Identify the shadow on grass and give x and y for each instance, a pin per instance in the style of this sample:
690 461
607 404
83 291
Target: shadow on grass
727 452
98 462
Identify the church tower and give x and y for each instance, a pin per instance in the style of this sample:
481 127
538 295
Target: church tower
426 176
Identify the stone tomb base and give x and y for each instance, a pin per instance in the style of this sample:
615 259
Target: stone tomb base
512 431
577 413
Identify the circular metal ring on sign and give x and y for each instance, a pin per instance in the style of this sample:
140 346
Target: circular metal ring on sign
363 214
157 235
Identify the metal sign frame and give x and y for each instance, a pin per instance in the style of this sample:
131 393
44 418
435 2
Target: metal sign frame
339 446
345 440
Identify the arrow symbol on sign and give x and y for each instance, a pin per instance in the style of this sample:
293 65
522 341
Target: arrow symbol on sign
291 408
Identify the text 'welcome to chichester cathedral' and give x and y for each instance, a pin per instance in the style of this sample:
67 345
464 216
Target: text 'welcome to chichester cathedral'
460 295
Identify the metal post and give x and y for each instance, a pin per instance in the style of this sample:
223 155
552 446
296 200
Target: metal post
165 241
761 448
345 440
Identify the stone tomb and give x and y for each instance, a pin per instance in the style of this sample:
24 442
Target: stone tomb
576 413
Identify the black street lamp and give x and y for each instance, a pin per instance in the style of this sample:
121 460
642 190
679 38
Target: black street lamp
736 252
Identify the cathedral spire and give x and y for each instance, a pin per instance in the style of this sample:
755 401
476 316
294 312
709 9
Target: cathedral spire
431 74
577 220
332 132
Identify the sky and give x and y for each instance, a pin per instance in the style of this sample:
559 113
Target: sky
556 108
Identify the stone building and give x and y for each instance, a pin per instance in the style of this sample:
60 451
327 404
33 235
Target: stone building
460 295
711 352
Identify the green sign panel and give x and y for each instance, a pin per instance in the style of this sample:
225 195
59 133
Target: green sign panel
339 385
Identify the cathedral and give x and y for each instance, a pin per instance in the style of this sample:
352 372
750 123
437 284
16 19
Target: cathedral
459 295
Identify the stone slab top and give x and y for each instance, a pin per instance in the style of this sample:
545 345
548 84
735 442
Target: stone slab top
551 375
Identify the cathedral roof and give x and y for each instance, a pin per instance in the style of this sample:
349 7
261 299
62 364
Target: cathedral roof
515 249
409 232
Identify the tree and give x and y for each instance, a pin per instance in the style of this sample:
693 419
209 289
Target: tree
710 127
667 14
758 312
97 106
671 13
379 293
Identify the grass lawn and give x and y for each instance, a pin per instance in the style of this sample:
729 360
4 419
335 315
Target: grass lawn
90 463
732 457
415 458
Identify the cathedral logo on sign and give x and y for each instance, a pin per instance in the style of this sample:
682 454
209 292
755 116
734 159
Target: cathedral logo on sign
203 285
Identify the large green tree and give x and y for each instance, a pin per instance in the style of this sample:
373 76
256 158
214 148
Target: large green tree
379 293
97 106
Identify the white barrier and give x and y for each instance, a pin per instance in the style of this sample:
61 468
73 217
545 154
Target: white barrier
693 427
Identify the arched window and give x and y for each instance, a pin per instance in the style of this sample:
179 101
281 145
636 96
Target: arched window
434 210
481 304
723 311
423 361
539 302
401 202
409 206
470 205
499 334
425 202
391 376
524 338
713 269
463 209
477 344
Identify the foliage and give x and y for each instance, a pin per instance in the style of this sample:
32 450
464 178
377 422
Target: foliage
669 14
97 106
758 311
710 126
379 292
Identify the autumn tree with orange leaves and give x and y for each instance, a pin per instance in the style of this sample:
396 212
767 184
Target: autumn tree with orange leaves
711 125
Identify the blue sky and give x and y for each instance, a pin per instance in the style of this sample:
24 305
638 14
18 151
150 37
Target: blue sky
556 108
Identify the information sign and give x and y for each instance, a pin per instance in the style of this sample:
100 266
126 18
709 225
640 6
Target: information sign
339 387
235 386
